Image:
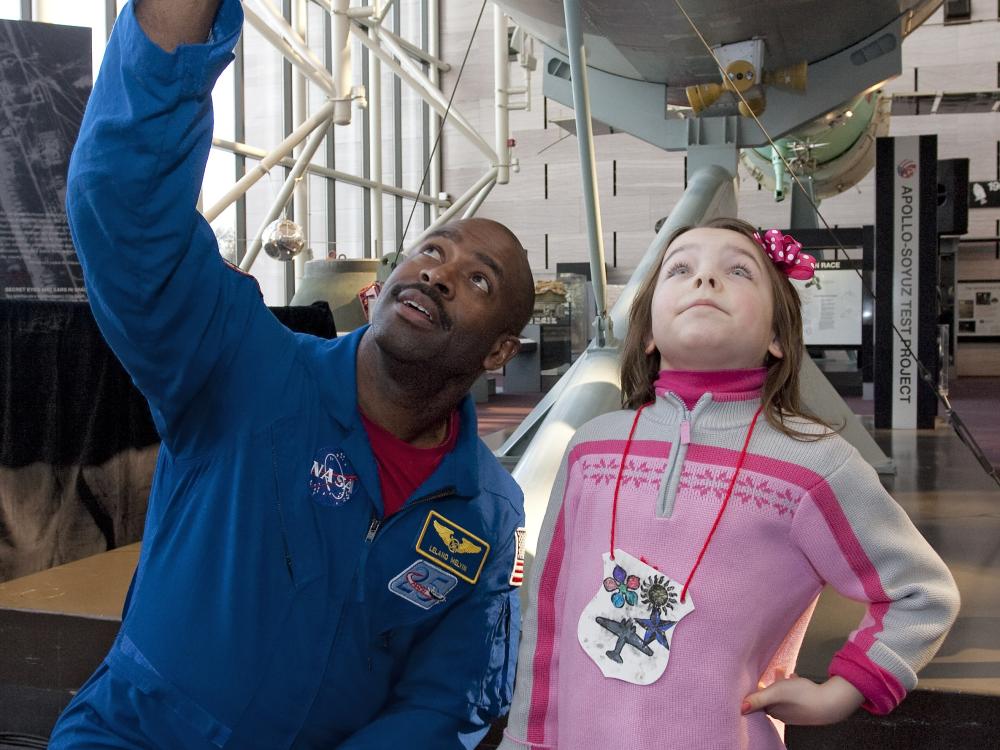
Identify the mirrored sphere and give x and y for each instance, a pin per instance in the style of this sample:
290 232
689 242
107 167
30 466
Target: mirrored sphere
284 239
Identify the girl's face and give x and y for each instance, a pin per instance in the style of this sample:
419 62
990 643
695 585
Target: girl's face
712 307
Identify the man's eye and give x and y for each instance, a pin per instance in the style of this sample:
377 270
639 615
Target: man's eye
481 281
433 251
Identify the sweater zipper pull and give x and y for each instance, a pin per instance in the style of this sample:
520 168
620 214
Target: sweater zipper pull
685 432
372 530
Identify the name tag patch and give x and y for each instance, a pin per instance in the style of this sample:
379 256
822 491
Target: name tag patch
448 545
423 584
332 479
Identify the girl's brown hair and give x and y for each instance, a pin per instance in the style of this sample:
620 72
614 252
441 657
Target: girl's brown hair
780 394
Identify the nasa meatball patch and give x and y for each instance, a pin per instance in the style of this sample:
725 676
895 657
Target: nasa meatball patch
332 479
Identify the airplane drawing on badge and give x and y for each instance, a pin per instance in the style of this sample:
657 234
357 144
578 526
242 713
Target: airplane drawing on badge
624 629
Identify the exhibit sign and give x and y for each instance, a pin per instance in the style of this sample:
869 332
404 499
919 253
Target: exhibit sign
977 308
906 280
45 79
984 194
832 304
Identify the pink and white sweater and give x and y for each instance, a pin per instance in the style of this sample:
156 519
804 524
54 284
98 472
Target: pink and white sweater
802 514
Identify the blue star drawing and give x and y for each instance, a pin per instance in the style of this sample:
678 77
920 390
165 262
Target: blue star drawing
656 629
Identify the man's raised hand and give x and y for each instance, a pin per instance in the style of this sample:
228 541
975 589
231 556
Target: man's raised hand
170 23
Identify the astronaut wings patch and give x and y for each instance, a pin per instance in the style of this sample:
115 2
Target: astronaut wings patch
452 547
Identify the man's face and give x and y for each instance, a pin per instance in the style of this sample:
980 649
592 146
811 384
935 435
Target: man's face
449 303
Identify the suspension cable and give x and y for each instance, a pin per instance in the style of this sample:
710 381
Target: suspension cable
437 140
957 423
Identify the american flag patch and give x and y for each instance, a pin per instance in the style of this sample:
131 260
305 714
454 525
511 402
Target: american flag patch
517 574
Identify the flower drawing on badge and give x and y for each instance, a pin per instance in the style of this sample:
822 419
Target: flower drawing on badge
658 595
622 587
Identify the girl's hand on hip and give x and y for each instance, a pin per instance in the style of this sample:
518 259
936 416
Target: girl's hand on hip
796 700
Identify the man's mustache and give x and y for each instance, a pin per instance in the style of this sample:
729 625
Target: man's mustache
433 294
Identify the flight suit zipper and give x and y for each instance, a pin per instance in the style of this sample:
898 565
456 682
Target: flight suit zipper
377 524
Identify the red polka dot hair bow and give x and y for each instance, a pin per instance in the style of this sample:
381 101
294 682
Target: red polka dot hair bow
786 253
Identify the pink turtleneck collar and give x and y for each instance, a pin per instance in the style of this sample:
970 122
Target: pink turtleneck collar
724 385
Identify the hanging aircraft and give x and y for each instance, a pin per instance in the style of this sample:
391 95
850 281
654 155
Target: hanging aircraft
787 87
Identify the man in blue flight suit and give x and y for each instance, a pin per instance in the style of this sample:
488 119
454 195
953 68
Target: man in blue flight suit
296 589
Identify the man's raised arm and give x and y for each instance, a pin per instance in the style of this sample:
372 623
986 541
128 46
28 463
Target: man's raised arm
181 322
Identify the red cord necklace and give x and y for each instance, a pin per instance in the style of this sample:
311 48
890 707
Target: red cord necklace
722 508
628 627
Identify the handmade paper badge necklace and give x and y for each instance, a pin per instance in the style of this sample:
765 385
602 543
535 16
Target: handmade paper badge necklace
628 627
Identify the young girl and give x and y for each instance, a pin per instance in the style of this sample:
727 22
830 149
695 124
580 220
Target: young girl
688 536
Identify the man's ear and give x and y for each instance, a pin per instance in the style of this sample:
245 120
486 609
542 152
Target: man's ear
774 349
502 351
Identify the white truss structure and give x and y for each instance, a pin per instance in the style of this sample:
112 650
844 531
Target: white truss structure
406 61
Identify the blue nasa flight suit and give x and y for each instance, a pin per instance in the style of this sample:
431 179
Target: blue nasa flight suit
271 608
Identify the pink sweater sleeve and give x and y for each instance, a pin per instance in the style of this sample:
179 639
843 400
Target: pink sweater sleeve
532 720
862 543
